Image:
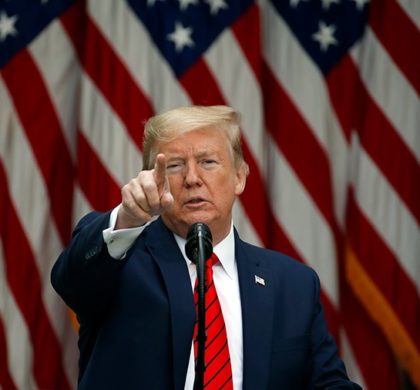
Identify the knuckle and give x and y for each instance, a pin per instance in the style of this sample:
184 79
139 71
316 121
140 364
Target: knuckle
149 186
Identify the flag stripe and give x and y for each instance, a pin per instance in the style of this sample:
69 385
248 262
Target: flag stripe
391 220
16 352
43 238
352 366
315 177
388 96
37 115
284 202
93 177
240 94
368 245
96 117
113 79
6 381
412 10
304 85
391 155
48 370
140 46
305 240
56 62
370 348
399 40
247 30
81 205
378 308
241 222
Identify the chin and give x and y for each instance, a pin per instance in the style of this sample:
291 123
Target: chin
199 218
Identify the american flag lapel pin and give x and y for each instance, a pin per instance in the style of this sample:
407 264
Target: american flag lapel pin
259 280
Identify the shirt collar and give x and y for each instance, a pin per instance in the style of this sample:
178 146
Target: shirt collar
225 251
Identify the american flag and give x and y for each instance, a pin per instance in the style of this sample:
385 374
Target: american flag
329 96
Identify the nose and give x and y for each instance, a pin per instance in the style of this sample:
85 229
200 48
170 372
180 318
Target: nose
192 175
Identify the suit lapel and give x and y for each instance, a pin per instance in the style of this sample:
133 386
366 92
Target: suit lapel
257 302
167 255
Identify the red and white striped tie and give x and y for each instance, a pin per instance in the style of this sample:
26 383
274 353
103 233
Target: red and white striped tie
218 370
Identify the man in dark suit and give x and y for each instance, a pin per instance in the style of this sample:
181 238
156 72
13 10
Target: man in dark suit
126 276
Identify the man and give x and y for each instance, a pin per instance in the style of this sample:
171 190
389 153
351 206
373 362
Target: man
126 276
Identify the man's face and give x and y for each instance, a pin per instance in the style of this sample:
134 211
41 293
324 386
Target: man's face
203 180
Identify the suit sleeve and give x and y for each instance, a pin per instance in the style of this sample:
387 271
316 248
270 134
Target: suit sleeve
85 275
328 371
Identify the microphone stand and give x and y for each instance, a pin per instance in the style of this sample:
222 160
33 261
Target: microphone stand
199 248
201 335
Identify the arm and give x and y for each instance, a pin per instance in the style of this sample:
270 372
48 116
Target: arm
85 274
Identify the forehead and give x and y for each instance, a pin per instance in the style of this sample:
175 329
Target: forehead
201 141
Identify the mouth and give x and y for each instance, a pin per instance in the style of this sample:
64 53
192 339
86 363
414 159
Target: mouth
195 201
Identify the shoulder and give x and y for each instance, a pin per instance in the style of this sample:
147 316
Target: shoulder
272 257
278 263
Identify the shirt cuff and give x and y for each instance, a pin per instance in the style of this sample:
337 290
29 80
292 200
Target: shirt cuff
120 241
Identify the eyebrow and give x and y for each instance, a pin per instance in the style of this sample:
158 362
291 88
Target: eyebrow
198 155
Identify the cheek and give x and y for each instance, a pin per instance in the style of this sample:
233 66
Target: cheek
175 184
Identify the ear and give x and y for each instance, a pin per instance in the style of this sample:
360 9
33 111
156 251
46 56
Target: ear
240 178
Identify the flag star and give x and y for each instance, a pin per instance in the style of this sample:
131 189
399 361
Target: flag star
7 25
183 4
360 4
216 5
325 36
181 37
295 3
326 3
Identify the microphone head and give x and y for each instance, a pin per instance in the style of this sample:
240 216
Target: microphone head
198 234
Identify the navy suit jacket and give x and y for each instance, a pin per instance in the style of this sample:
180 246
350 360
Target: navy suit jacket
137 314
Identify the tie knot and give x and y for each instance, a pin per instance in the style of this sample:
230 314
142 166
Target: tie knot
212 260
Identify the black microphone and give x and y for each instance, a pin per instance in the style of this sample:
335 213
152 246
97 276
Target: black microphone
199 248
199 238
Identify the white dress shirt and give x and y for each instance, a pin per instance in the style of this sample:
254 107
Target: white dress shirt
225 276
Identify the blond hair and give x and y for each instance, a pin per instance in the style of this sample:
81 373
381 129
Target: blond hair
170 124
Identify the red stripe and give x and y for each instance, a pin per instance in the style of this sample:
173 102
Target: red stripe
101 190
401 39
299 145
6 381
43 130
377 136
390 278
107 71
25 283
295 140
373 355
247 30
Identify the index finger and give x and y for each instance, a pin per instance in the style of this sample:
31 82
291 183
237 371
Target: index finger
160 170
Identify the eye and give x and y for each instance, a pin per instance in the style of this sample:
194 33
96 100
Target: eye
208 163
174 167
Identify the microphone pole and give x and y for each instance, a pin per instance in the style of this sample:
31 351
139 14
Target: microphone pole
199 248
